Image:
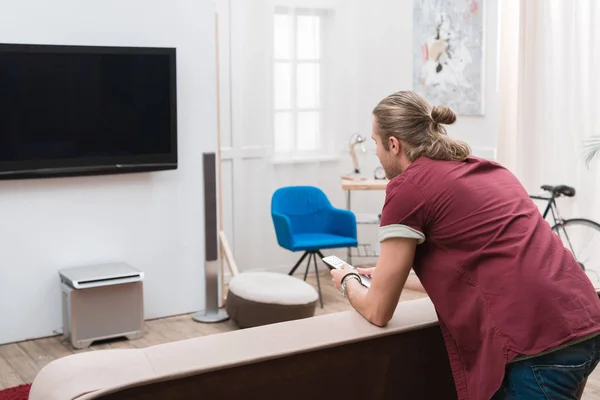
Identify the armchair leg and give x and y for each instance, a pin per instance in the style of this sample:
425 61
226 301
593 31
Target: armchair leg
322 256
312 256
318 281
308 265
298 263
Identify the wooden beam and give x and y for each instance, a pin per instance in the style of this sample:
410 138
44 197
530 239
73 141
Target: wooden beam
226 253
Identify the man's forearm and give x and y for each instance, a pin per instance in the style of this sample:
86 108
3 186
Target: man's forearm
357 295
378 303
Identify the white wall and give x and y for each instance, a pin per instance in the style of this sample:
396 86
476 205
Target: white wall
153 221
373 58
385 48
385 65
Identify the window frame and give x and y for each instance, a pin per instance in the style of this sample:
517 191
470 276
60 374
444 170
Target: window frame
294 62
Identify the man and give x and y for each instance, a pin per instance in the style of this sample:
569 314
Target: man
520 318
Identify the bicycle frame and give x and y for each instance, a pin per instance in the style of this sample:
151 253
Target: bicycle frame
559 223
550 207
558 220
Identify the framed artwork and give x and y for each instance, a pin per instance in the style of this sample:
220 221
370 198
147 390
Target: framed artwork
448 53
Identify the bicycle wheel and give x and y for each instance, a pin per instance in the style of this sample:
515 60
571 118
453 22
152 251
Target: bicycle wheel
582 237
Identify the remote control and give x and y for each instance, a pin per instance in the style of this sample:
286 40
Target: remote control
337 263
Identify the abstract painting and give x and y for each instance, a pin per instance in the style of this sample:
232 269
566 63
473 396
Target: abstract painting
448 53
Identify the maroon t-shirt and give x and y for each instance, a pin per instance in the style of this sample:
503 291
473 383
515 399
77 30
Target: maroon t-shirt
502 282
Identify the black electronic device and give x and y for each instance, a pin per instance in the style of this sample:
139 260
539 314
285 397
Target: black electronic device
81 110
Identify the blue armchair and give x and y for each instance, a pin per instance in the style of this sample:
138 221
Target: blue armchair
306 221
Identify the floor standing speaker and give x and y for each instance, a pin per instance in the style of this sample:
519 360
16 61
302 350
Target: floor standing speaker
211 313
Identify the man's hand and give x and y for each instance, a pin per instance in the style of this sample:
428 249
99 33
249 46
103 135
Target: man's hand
366 271
337 275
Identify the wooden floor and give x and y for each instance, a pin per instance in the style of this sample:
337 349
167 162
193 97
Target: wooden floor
20 362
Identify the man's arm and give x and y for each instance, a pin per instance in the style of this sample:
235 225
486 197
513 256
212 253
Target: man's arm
377 304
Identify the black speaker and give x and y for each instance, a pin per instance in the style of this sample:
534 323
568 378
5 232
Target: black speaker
212 313
211 233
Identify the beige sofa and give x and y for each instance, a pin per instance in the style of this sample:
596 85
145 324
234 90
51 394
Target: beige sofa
337 355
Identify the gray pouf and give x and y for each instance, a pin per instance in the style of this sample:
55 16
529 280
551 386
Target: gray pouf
261 298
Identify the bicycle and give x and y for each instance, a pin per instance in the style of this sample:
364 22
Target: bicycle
561 225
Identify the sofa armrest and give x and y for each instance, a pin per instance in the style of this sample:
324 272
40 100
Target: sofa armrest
78 375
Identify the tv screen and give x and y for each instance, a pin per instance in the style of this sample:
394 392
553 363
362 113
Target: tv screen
73 110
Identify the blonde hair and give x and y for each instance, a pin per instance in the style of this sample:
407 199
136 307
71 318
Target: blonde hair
408 117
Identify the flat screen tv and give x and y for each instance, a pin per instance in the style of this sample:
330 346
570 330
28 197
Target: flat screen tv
82 110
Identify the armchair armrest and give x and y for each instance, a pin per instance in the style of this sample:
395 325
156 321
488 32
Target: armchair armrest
283 230
343 222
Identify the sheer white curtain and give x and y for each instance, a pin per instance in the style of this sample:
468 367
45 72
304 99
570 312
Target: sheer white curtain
550 96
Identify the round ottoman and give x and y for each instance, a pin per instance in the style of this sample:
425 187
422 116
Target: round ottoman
261 298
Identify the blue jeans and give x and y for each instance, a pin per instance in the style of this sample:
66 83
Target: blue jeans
559 375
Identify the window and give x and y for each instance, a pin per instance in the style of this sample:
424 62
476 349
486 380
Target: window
297 97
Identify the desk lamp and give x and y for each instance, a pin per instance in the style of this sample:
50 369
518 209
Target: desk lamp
356 139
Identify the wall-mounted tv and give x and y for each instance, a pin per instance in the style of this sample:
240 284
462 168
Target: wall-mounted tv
81 110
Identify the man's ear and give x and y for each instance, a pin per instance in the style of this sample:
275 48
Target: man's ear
394 145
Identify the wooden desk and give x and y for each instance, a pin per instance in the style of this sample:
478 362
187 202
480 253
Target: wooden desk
364 184
350 185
